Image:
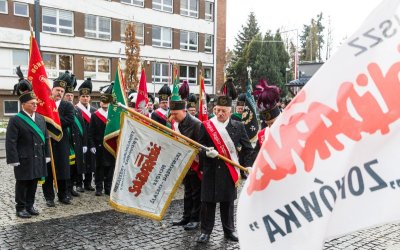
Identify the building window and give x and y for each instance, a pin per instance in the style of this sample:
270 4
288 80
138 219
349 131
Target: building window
20 58
3 7
209 13
21 9
56 64
190 8
139 27
163 5
57 21
11 107
188 40
160 72
208 76
162 37
134 2
96 68
208 43
98 27
188 73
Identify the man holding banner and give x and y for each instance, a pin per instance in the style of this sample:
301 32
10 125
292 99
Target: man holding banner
220 178
60 148
188 126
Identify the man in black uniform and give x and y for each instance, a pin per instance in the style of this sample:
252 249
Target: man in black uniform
85 90
76 135
105 162
160 115
27 149
220 178
191 105
189 126
61 148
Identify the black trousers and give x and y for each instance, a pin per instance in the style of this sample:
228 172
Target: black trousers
74 177
208 216
103 177
25 191
191 201
48 190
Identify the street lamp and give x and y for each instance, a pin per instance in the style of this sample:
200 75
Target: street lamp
287 70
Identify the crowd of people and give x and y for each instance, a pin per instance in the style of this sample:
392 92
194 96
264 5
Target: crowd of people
80 154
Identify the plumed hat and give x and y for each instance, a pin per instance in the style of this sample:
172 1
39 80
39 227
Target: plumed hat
267 99
176 103
164 93
106 93
228 89
191 101
63 80
241 101
184 90
86 87
24 88
71 85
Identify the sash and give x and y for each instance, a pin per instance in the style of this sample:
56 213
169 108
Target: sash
224 145
33 125
85 112
169 123
261 136
79 125
71 147
101 116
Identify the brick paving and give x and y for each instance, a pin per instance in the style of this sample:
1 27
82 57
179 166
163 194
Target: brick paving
90 223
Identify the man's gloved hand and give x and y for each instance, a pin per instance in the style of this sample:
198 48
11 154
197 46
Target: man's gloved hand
48 159
249 169
14 164
211 152
93 150
84 149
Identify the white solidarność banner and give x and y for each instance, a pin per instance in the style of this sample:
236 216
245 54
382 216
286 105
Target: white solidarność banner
331 162
149 168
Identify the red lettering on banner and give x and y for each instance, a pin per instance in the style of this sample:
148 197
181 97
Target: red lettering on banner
324 124
146 163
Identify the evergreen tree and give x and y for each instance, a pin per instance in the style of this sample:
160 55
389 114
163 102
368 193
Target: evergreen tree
312 40
132 51
237 69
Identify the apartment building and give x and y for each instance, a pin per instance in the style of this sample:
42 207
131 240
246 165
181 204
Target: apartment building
86 37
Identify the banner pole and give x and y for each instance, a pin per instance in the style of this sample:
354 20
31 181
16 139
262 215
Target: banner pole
53 167
194 143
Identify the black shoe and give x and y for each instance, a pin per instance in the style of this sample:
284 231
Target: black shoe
191 226
99 193
89 188
181 222
65 201
23 214
231 236
50 203
107 192
74 193
203 238
80 189
32 211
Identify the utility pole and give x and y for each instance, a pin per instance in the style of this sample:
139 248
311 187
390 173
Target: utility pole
37 21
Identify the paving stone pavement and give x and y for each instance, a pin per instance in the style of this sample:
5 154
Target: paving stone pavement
90 223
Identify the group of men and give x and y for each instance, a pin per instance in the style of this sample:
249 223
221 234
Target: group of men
71 159
80 152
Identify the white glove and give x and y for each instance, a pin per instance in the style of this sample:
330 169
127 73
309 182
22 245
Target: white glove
14 164
48 159
84 149
249 169
93 150
211 153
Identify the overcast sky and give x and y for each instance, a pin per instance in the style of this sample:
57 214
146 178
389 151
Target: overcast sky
346 16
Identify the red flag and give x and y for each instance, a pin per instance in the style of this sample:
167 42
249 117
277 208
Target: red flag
142 97
46 106
203 112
